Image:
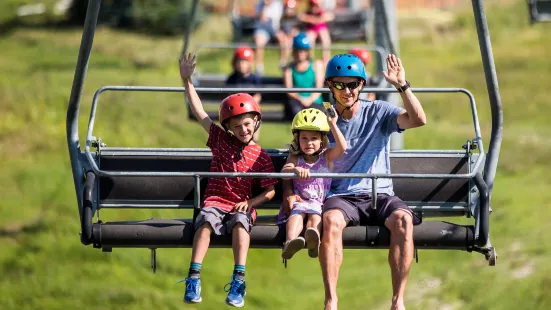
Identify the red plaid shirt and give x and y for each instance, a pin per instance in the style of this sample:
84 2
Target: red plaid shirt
230 155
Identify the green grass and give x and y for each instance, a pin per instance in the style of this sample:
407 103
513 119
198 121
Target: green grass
43 265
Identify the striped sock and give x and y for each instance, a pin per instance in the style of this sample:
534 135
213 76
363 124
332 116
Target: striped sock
194 270
239 269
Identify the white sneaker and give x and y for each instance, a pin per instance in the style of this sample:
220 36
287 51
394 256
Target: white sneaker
312 237
292 246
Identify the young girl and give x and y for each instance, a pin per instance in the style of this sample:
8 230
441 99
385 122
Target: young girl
309 153
302 72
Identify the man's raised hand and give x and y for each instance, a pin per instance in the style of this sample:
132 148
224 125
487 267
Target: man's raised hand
396 74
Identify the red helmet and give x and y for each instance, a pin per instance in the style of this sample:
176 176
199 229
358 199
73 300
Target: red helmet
243 52
238 104
364 55
314 2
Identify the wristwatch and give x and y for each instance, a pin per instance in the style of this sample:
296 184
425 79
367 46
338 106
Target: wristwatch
402 89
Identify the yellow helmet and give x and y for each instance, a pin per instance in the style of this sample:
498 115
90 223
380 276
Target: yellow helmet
310 119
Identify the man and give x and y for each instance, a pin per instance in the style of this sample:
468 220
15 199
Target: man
367 126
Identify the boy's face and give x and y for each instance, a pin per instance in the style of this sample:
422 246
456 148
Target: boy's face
243 127
310 141
242 66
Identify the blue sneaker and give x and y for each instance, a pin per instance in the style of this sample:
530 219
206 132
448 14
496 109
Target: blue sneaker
236 292
193 290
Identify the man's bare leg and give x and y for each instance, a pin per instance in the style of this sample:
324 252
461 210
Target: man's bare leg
331 255
400 255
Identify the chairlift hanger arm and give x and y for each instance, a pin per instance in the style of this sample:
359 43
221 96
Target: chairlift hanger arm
493 92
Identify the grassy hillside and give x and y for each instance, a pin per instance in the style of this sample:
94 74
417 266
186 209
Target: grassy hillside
43 265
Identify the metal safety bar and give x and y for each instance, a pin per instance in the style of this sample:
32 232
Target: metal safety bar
477 139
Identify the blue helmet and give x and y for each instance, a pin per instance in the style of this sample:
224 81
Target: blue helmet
345 65
301 42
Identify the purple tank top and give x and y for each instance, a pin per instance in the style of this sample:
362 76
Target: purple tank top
312 191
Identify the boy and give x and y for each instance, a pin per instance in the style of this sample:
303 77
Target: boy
228 207
242 75
242 67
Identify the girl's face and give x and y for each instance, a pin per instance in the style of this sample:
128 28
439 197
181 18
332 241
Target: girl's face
301 55
242 66
309 141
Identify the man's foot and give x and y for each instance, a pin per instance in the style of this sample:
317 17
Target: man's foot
312 237
292 246
398 305
193 290
236 291
330 305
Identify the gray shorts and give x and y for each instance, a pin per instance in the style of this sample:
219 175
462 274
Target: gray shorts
223 222
357 209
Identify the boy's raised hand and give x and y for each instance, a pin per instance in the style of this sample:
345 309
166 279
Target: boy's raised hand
187 65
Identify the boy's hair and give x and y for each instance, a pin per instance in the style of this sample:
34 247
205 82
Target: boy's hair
294 147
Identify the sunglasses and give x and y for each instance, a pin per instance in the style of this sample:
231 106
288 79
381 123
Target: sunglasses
341 85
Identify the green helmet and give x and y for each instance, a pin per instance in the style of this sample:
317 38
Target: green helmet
310 119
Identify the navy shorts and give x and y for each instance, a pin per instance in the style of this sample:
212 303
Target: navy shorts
223 222
357 209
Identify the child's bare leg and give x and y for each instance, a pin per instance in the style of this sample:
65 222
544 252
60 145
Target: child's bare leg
201 242
240 244
294 226
325 39
312 235
283 47
314 221
260 40
294 243
312 36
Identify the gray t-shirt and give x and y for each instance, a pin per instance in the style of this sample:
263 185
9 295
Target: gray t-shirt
367 136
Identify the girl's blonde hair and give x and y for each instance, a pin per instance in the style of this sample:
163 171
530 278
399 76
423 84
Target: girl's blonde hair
294 147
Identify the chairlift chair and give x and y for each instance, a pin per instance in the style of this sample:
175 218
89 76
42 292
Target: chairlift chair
349 24
433 183
276 101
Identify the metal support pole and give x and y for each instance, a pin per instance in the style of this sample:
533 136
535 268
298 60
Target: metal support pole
386 36
493 92
189 28
196 198
76 92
